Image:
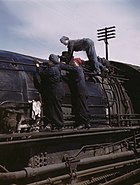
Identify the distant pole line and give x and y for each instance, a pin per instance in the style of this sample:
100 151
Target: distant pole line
104 34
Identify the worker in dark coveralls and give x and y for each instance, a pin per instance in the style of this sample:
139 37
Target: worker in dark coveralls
79 93
52 92
87 45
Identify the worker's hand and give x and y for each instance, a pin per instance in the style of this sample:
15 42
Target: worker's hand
37 65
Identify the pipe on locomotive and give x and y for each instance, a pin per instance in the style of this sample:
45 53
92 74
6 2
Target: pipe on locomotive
95 171
32 172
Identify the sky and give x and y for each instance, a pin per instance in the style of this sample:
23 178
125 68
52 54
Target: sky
34 27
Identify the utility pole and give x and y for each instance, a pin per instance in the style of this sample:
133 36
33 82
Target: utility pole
105 34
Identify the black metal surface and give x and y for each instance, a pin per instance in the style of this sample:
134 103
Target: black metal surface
114 108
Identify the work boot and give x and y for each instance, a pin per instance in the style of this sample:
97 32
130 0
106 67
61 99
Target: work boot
48 128
79 127
60 128
105 70
97 73
88 126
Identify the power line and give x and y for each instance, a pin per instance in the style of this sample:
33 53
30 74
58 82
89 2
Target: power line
105 34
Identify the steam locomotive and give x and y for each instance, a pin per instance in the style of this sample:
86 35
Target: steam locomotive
36 157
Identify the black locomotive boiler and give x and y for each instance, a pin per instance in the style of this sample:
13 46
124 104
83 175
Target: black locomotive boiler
108 153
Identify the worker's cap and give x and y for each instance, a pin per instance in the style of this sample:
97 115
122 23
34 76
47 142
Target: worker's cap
54 58
64 39
78 61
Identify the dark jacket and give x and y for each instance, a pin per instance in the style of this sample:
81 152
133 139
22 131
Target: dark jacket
51 81
76 78
79 45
